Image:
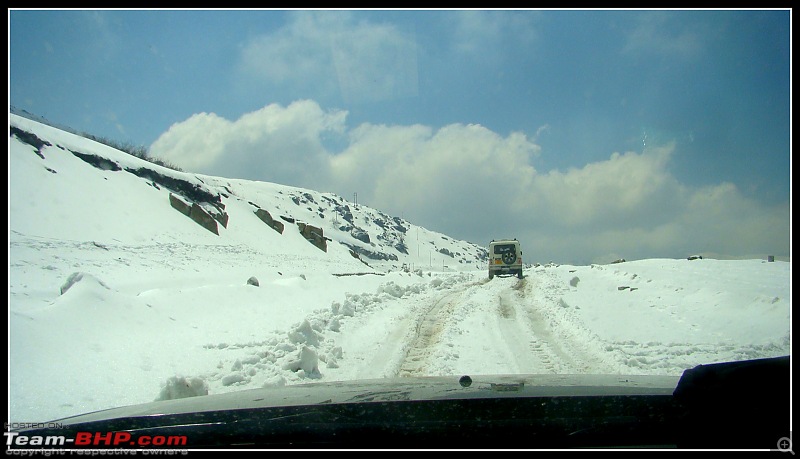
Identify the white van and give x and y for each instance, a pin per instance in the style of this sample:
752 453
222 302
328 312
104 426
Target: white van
505 257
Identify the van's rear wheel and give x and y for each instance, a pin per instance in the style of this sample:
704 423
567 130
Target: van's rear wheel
509 258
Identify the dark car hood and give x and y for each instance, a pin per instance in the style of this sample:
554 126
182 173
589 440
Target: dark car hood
740 405
398 389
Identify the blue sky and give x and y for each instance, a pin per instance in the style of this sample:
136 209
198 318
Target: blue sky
598 133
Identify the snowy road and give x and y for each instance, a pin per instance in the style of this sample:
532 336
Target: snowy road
618 320
503 318
457 330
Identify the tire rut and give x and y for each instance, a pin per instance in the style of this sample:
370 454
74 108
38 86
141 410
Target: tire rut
428 331
530 343
558 349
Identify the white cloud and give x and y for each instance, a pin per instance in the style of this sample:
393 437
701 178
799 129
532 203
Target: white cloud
375 62
656 32
481 33
361 61
605 192
722 217
194 144
630 206
445 176
277 144
715 220
298 50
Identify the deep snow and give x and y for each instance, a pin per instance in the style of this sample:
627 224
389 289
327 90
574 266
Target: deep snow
115 298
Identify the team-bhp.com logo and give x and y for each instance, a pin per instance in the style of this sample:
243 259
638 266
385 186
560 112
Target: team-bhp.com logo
94 440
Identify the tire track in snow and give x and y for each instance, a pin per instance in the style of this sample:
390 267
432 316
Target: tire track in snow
527 338
574 352
387 357
524 337
522 332
525 353
535 348
532 338
428 331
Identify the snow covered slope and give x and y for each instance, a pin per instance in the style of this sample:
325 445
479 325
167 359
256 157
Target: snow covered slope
114 197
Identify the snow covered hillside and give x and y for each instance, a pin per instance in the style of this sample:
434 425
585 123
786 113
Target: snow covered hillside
130 282
49 163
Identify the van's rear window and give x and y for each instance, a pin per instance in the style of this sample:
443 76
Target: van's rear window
504 248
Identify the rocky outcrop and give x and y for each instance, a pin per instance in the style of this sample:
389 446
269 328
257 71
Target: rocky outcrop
30 139
179 205
192 191
401 247
360 234
203 218
313 235
267 218
217 212
195 212
372 255
99 162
